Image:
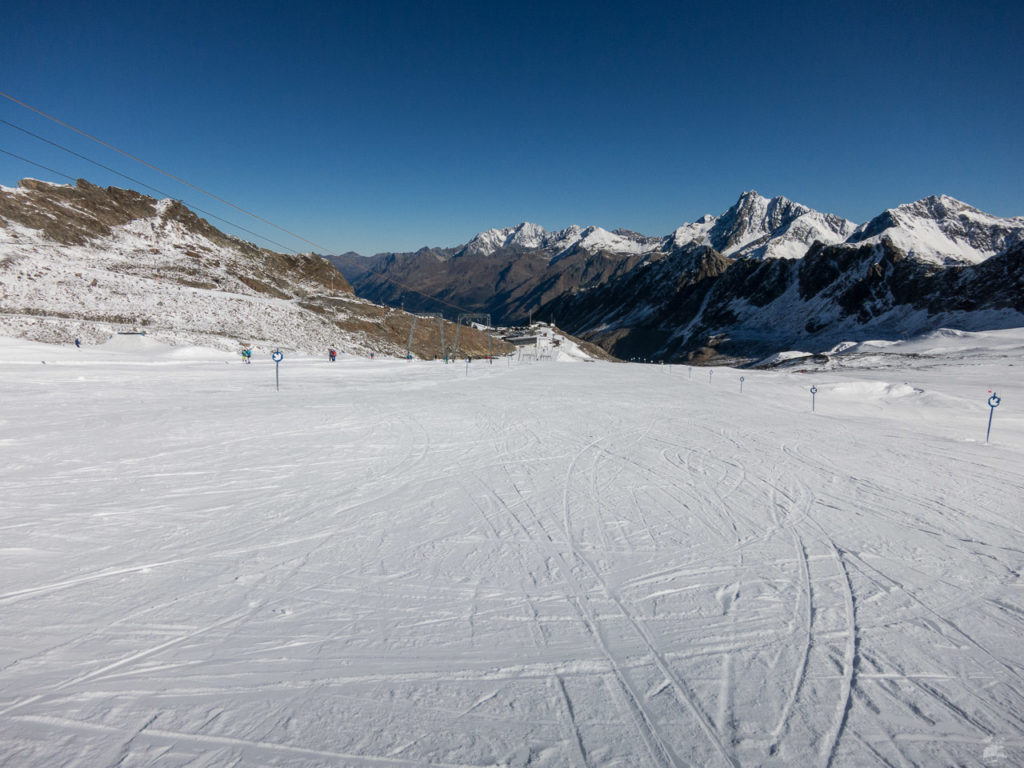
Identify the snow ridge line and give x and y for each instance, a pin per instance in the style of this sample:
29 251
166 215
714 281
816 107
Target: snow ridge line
569 540
56 586
127 660
850 652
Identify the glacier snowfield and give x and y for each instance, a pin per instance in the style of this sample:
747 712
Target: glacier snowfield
389 563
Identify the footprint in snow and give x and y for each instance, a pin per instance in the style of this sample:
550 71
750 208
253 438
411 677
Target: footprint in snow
727 595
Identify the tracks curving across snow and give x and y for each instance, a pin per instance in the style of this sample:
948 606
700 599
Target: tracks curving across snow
399 564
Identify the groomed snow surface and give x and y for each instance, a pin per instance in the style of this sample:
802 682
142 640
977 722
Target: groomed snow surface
412 564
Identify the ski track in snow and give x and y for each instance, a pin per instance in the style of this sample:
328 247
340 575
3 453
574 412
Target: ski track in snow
397 564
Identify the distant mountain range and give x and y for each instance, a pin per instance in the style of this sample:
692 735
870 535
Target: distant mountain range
763 277
768 274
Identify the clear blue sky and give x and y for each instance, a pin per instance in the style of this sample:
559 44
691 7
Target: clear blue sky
377 126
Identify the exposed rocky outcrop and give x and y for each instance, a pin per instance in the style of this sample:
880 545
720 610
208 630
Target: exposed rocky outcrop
85 261
693 302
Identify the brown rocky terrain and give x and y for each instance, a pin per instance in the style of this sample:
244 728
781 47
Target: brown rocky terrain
82 261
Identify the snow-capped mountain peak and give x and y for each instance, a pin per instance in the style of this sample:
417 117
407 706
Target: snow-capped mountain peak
696 231
599 239
760 227
533 237
938 229
525 235
942 230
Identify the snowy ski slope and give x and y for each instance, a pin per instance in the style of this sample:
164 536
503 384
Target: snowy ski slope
413 564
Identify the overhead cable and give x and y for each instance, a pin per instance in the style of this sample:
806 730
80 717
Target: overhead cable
37 165
160 170
387 278
143 184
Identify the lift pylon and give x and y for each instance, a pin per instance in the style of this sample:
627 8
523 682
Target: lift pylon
472 318
425 316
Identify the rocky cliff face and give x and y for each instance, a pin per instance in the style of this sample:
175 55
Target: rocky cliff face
508 284
758 228
699 305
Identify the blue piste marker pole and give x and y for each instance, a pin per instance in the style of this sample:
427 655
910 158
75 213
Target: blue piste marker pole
277 357
709 376
741 383
993 403
814 391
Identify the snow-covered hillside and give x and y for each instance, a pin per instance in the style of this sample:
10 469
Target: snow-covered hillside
412 564
80 261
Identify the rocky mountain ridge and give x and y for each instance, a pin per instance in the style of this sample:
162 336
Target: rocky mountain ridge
756 227
81 261
608 287
942 230
698 305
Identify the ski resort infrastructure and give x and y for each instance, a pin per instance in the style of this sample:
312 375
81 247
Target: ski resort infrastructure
542 561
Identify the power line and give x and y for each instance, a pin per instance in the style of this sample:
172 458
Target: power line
160 170
215 197
73 179
141 183
211 215
76 154
37 165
